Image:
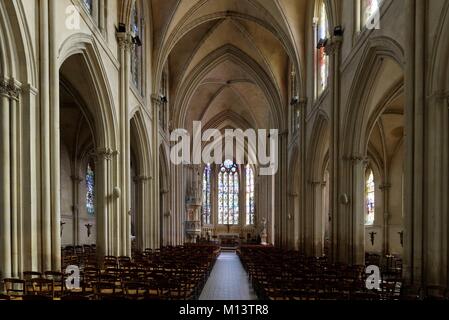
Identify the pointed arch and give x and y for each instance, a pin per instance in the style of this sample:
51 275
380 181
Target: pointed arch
229 52
103 109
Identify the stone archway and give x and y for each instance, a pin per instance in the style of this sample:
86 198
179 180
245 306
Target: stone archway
382 63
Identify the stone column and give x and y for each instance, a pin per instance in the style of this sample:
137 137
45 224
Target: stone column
155 221
76 180
385 188
30 166
5 183
335 153
104 201
15 177
281 216
415 75
55 157
45 164
125 44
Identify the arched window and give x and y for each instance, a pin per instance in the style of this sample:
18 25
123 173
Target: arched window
88 4
250 199
370 189
137 51
369 9
207 208
322 35
228 194
90 186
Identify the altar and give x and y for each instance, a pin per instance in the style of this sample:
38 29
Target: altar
229 241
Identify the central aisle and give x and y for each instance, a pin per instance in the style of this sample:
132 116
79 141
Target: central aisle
228 280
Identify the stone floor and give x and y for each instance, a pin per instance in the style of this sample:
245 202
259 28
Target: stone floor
228 280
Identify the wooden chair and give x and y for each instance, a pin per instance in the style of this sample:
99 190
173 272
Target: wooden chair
14 287
58 282
135 290
40 287
28 275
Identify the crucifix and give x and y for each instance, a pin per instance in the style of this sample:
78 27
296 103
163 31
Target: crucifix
89 228
372 237
62 227
401 237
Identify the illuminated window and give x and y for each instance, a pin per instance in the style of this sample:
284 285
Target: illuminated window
228 194
88 4
137 54
370 189
322 36
207 208
250 199
90 185
369 9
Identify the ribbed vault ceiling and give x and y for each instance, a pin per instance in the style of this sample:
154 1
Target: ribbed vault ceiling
228 58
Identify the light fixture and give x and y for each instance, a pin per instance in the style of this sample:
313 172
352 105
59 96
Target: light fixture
322 43
137 41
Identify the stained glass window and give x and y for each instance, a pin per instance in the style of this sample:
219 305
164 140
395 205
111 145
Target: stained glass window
207 208
250 199
89 5
90 185
369 9
228 194
370 198
322 34
136 54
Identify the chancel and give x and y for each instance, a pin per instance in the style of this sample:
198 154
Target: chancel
353 97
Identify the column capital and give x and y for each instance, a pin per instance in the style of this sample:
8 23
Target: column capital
77 179
142 179
10 88
358 158
105 154
317 183
156 100
385 186
333 45
125 41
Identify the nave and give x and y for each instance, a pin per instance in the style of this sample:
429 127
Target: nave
351 101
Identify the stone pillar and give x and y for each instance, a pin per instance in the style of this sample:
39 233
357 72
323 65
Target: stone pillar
76 180
30 232
335 153
385 188
55 157
155 221
125 44
15 152
45 164
5 183
281 216
105 199
415 75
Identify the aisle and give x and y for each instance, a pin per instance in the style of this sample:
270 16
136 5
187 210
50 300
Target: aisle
228 280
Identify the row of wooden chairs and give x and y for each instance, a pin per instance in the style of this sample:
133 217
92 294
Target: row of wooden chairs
287 275
172 273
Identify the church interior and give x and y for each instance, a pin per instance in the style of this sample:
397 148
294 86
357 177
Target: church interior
93 206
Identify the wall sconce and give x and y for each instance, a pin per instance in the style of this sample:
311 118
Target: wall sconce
136 40
322 44
121 28
338 31
117 192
